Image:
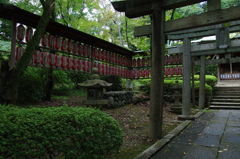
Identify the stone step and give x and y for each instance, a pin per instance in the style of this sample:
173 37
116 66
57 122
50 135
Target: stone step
225 103
225 97
227 93
223 107
225 100
227 88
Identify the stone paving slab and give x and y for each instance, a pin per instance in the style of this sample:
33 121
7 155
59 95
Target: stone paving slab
229 151
214 129
182 143
234 123
214 135
230 138
208 140
232 130
172 151
201 152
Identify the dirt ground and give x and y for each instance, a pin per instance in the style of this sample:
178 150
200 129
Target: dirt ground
133 119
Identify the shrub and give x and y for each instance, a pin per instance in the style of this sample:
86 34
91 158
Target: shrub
209 79
116 82
62 83
62 132
77 78
31 85
145 86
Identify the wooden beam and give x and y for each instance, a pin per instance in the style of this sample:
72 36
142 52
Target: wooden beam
191 35
144 30
119 6
217 51
205 19
201 33
213 5
207 49
220 61
206 28
137 8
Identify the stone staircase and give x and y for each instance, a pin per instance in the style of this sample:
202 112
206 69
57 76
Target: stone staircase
226 97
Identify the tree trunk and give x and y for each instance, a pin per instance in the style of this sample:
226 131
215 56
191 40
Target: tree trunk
10 76
49 85
49 76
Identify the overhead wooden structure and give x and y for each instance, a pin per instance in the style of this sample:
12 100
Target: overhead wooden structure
215 15
81 51
11 12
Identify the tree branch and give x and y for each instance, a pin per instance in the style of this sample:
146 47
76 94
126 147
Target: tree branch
30 49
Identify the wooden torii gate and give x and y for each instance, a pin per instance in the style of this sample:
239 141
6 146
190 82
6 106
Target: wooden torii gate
159 29
222 46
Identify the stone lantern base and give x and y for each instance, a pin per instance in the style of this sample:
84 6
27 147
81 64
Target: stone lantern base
177 105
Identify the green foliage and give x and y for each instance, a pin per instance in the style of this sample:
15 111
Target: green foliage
5 45
170 81
145 85
229 3
31 85
116 82
62 83
208 89
210 70
186 11
77 78
57 132
209 79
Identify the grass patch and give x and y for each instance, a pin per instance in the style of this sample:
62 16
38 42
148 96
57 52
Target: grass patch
130 153
208 111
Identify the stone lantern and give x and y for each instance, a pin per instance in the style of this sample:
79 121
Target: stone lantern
95 88
177 95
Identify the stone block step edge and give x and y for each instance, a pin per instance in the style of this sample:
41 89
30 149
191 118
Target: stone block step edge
158 145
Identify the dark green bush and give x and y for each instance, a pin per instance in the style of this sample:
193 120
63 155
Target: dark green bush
116 82
62 132
62 83
77 78
31 85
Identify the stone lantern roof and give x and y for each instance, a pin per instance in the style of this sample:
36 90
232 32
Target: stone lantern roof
95 81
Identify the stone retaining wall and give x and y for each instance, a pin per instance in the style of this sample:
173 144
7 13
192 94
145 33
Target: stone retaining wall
118 98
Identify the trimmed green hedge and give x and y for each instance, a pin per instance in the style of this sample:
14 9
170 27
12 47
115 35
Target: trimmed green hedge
209 79
169 83
62 132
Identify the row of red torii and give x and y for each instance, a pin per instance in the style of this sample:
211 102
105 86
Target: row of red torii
65 54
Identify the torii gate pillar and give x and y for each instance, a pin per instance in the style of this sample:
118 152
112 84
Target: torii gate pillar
186 96
157 73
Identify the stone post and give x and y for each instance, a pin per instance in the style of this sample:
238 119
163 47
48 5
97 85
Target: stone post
202 82
186 96
129 84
